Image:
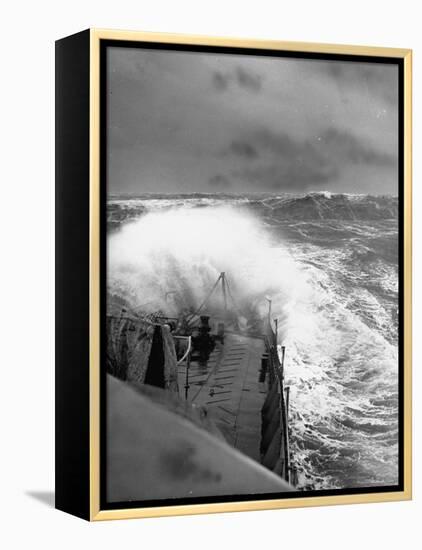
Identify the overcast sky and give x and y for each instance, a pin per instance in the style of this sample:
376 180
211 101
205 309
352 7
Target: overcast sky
195 122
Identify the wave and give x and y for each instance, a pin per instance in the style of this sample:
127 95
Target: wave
183 250
331 206
309 207
341 360
342 371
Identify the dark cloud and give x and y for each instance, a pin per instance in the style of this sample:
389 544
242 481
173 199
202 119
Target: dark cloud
178 120
243 149
281 144
294 164
246 79
219 181
289 176
287 164
220 81
240 76
376 78
332 143
350 149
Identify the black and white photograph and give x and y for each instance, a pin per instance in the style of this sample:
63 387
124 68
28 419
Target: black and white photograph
251 342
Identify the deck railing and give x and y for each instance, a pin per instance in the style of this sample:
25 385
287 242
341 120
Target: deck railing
275 444
185 359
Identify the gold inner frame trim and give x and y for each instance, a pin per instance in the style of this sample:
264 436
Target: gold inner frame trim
96 514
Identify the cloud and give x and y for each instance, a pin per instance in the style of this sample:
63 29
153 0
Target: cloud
220 81
350 149
219 181
183 120
243 149
375 78
331 144
247 80
287 163
288 177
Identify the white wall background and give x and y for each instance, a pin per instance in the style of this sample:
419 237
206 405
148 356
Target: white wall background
27 271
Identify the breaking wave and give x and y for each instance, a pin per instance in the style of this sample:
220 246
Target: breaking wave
170 259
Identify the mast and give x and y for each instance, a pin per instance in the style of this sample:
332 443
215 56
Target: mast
223 285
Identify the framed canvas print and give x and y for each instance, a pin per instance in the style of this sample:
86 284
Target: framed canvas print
233 274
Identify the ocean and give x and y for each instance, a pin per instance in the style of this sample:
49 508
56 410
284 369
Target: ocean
329 264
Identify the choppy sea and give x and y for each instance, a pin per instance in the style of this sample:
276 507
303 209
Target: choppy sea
329 263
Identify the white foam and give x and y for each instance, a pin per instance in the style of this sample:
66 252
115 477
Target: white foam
184 250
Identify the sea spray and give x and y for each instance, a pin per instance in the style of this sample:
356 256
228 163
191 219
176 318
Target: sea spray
170 260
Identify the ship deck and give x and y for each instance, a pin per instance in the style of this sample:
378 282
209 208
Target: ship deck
228 387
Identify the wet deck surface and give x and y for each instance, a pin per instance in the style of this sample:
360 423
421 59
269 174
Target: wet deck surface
228 387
